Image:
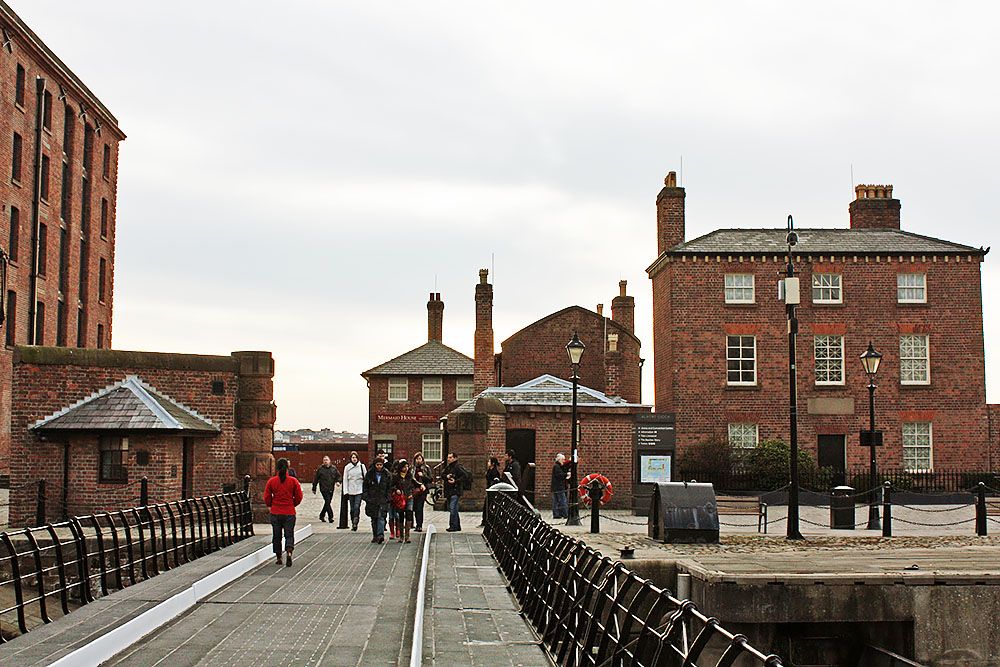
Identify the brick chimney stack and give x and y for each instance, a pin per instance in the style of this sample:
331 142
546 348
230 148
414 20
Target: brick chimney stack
874 208
669 214
484 370
623 306
435 317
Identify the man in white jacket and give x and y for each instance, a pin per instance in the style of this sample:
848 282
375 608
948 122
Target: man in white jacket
354 479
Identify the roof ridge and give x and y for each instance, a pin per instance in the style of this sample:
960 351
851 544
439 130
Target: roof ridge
135 385
86 399
173 400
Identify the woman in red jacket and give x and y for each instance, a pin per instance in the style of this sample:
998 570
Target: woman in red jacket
282 493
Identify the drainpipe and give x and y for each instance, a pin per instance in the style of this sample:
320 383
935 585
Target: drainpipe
36 195
65 480
641 362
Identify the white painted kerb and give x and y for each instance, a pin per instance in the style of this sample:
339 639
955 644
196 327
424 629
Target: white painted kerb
417 648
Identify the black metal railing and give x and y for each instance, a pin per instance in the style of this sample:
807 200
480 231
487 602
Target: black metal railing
50 570
591 610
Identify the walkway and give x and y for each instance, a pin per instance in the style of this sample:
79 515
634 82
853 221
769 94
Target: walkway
345 601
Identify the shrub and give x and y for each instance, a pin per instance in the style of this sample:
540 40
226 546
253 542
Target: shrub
712 456
770 460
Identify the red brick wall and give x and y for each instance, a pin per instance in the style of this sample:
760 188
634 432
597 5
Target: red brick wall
540 348
40 390
22 120
690 321
408 434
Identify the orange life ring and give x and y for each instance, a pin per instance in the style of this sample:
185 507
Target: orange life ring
585 492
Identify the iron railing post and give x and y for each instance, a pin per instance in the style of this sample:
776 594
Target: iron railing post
981 509
887 510
144 492
595 491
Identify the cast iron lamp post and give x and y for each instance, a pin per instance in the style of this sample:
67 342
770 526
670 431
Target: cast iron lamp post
575 350
791 294
871 359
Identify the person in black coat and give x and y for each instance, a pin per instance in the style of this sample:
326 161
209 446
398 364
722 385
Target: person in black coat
560 504
513 467
327 477
455 479
376 492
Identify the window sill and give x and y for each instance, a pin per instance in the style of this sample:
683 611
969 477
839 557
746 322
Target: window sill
828 304
19 106
922 385
911 303
435 402
47 130
740 304
742 387
829 387
16 182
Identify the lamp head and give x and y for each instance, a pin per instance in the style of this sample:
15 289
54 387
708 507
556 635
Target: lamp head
871 359
575 349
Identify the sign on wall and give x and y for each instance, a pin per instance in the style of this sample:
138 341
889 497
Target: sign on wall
654 468
405 419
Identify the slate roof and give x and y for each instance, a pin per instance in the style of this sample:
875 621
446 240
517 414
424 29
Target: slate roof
820 241
431 358
129 405
546 390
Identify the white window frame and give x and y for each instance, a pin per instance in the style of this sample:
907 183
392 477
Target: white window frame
741 358
436 440
827 363
912 431
463 389
908 361
903 283
735 288
832 283
743 436
397 384
432 390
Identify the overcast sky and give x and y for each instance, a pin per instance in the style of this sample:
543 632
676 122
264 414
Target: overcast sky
298 176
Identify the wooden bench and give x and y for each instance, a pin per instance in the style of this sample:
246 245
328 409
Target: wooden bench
744 506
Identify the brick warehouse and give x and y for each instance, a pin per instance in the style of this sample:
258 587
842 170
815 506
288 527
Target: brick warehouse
523 397
720 344
87 420
59 156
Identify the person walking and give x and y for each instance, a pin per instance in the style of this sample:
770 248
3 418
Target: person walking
282 494
456 478
512 467
404 488
393 528
327 477
423 476
354 486
376 491
492 477
560 504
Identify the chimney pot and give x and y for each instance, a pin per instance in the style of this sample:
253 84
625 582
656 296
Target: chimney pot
622 284
484 275
671 180
600 309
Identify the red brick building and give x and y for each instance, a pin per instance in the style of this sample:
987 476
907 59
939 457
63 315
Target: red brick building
523 398
720 340
92 423
408 395
58 196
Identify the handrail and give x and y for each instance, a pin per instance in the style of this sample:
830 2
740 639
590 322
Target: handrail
58 567
593 611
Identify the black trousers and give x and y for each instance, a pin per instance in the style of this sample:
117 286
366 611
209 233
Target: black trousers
283 525
327 497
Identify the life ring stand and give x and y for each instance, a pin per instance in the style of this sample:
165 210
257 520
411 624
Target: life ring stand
584 489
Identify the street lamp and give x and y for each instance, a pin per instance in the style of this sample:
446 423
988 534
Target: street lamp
871 359
790 291
575 350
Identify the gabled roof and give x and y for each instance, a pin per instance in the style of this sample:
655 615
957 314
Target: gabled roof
826 241
547 390
431 358
612 325
129 405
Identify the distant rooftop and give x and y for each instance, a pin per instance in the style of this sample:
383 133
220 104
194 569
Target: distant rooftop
431 358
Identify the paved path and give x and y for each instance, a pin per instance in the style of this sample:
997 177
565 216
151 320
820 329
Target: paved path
470 618
345 601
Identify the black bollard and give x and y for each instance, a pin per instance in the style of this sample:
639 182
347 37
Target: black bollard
595 490
40 505
343 506
981 510
144 492
887 510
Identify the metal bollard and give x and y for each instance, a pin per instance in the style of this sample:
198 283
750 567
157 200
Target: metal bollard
40 504
144 492
342 519
595 490
887 510
981 509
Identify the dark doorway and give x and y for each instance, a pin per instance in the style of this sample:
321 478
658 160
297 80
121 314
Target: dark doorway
386 447
187 469
522 442
832 454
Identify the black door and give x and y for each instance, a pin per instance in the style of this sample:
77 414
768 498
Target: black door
832 454
522 442
187 469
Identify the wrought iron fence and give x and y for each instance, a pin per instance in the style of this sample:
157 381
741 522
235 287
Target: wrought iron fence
747 481
50 570
591 610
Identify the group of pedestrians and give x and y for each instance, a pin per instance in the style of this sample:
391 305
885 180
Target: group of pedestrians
393 493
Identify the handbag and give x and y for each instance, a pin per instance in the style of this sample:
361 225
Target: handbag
398 499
